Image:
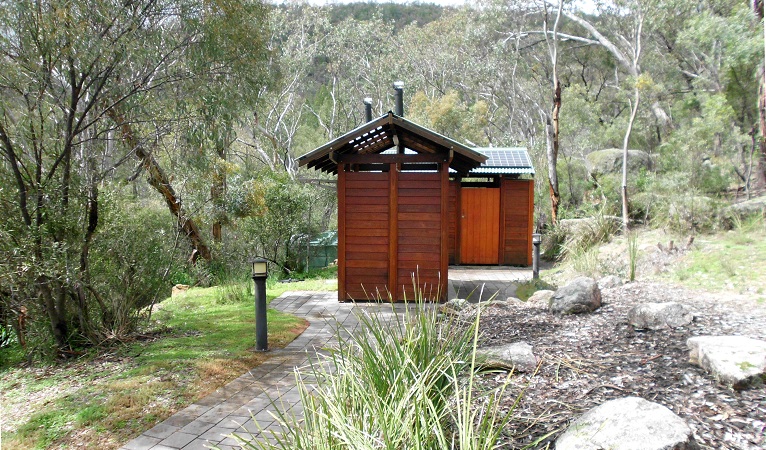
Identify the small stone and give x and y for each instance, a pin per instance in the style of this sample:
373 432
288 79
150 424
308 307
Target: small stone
629 423
455 305
734 360
541 298
610 282
658 316
582 295
518 356
503 304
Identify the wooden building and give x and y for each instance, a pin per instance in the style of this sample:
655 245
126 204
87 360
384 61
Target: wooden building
411 202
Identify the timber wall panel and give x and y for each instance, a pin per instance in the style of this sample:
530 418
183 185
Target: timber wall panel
517 197
366 224
419 234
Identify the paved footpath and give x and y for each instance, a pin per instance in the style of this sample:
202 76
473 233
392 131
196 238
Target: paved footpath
485 282
255 395
231 409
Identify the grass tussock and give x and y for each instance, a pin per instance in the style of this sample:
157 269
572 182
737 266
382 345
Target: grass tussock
399 382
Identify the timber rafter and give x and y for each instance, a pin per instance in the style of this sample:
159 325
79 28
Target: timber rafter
364 147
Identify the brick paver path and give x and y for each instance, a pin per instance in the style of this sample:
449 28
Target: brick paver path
212 420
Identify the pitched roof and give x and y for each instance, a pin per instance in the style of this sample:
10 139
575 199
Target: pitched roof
389 131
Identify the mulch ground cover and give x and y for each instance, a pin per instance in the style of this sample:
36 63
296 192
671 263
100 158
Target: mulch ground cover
591 358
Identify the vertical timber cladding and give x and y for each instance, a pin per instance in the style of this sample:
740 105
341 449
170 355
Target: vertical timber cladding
363 235
517 203
454 208
479 225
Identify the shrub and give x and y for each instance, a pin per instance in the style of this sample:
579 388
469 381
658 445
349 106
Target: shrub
132 258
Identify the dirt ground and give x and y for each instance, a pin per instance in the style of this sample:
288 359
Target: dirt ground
591 358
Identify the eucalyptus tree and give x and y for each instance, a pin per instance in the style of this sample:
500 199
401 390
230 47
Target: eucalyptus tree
73 75
275 126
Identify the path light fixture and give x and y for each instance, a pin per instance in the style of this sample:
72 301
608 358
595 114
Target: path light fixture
260 273
537 238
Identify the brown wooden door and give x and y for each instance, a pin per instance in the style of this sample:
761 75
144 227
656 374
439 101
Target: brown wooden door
479 225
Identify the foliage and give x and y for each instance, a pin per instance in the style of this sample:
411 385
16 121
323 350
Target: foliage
274 211
193 346
396 383
133 257
214 102
6 335
86 88
234 293
400 14
668 202
451 117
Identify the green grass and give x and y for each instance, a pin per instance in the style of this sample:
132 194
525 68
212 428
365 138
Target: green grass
526 289
729 261
194 344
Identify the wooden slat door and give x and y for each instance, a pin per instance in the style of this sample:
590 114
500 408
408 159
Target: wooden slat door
479 225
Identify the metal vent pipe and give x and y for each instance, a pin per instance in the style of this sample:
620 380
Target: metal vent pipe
367 109
399 98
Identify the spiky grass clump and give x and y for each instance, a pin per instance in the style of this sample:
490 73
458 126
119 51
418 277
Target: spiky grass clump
398 383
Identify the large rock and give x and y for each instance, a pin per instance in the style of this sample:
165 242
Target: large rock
518 356
581 295
753 206
609 161
735 360
658 316
629 423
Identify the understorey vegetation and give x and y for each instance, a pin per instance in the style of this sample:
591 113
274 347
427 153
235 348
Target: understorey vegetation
150 143
400 381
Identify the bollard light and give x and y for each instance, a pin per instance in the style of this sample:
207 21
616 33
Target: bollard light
260 267
260 273
536 240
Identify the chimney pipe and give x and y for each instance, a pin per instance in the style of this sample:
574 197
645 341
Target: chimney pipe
367 109
398 98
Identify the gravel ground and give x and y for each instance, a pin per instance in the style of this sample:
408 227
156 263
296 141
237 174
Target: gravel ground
589 359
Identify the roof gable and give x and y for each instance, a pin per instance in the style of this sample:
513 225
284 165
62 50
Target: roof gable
391 131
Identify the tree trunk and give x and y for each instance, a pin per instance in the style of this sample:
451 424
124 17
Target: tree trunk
217 191
553 155
760 179
625 209
552 138
160 182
